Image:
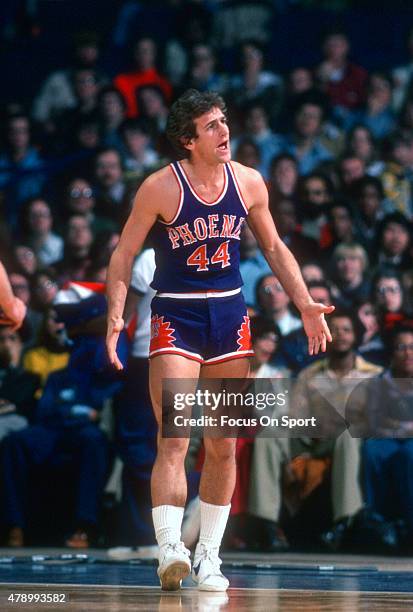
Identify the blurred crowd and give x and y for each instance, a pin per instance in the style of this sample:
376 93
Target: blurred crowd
334 144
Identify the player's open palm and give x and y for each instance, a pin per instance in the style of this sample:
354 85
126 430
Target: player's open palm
115 326
315 326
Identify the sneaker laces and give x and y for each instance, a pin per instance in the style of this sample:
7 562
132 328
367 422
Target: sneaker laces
211 555
177 547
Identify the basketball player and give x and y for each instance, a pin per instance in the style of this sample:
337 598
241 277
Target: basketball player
13 308
195 209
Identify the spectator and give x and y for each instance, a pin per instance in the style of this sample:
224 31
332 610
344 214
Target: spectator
18 387
387 456
378 114
20 285
253 265
315 192
304 141
255 85
248 153
349 272
112 109
389 298
86 87
202 70
36 227
283 178
139 155
343 81
369 209
51 350
393 242
350 169
371 346
361 144
145 73
339 228
312 271
398 173
274 304
76 258
402 75
44 290
302 247
57 93
79 199
114 195
22 169
24 260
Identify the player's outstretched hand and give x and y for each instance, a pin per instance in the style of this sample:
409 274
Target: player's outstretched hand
115 326
13 313
315 326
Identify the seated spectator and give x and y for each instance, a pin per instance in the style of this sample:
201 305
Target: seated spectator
57 93
18 386
274 302
304 141
387 292
79 199
24 260
370 208
283 178
302 247
112 111
397 174
257 128
388 454
253 265
378 114
202 74
254 85
371 346
154 111
139 157
66 427
344 82
22 169
44 288
299 80
144 73
394 236
312 271
402 75
36 231
315 192
248 153
113 194
350 169
21 286
76 258
361 144
293 352
339 228
349 273
50 351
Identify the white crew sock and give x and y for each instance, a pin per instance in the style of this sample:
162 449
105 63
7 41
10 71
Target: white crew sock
167 521
213 522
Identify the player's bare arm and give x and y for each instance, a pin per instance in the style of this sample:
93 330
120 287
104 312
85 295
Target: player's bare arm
14 310
281 260
149 205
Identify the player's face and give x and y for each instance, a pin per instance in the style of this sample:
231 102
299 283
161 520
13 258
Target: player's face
212 142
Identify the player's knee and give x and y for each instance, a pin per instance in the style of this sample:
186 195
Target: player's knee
222 450
173 449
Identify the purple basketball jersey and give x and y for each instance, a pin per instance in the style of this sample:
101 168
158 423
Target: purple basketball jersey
199 249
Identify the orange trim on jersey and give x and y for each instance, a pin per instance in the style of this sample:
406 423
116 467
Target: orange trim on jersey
238 188
181 197
198 197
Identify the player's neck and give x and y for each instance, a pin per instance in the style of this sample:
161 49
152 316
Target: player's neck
204 173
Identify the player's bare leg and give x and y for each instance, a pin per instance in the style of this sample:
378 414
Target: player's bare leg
168 482
216 489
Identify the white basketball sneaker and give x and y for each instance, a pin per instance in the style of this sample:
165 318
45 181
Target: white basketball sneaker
174 565
206 570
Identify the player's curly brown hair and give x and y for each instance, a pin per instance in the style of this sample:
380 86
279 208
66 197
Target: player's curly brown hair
180 127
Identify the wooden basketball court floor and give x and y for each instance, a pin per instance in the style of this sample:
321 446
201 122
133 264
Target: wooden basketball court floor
286 582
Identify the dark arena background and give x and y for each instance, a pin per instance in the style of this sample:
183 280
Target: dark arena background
320 101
